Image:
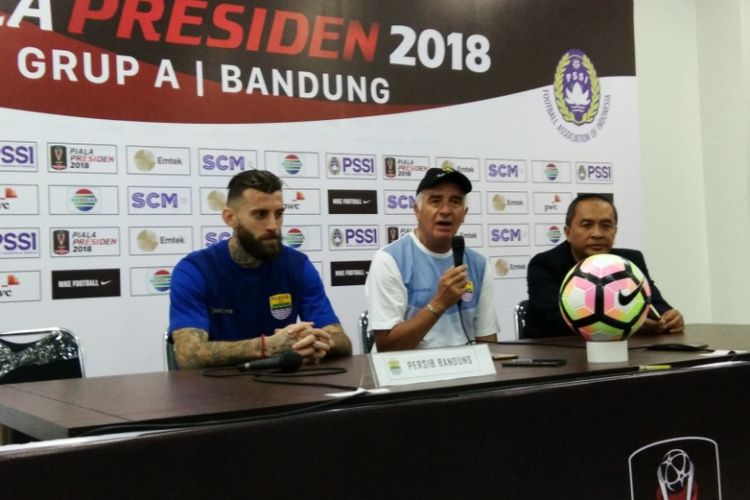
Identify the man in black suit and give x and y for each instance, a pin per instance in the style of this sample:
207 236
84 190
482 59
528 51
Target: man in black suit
590 228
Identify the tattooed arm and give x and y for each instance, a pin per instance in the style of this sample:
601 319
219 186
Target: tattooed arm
193 349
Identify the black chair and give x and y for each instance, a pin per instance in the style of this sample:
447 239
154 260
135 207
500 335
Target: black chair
35 355
169 358
519 316
363 325
39 354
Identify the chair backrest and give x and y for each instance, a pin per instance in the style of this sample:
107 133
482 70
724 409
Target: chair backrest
40 354
519 316
169 358
363 325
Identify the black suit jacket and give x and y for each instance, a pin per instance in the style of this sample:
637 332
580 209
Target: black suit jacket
544 278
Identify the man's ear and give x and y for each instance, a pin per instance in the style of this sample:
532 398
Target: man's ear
229 217
566 230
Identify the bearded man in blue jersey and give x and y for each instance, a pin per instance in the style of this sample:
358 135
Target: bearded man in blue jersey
250 297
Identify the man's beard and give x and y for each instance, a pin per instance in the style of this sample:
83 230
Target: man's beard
255 247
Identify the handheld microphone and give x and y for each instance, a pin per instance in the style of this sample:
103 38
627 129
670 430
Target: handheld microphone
288 361
458 244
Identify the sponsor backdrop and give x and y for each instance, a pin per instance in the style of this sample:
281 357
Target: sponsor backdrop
122 123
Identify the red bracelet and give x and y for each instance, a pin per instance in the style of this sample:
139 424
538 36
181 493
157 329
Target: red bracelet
262 346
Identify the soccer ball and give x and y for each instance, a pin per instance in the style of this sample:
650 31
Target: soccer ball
605 298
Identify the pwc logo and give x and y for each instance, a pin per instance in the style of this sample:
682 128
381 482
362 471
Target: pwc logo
20 286
19 199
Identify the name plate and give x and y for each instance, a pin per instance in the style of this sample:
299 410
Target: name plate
431 365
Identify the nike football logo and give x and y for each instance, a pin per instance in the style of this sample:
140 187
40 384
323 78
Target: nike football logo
105 283
627 299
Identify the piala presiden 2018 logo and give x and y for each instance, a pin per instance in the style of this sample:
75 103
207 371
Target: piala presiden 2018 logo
576 105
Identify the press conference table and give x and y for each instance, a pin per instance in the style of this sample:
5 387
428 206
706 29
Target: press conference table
577 431
64 408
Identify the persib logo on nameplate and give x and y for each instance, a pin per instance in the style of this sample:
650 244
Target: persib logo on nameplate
432 365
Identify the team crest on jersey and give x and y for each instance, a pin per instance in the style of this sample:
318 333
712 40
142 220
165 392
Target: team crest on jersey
577 91
281 305
469 292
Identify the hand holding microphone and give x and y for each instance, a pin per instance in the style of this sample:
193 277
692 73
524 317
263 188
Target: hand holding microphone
453 281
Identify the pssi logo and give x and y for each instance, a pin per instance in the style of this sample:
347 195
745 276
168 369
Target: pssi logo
17 155
576 88
354 237
18 242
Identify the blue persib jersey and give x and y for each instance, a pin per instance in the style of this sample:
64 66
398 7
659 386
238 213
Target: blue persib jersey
212 292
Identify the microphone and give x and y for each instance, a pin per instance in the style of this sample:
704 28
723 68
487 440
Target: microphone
458 244
288 361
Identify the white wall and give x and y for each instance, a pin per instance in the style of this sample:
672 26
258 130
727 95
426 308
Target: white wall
692 64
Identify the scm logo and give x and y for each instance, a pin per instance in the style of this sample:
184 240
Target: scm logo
213 237
503 170
402 201
506 234
223 162
155 200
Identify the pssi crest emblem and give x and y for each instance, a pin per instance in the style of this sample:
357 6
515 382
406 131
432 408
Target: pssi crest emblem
577 92
575 104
